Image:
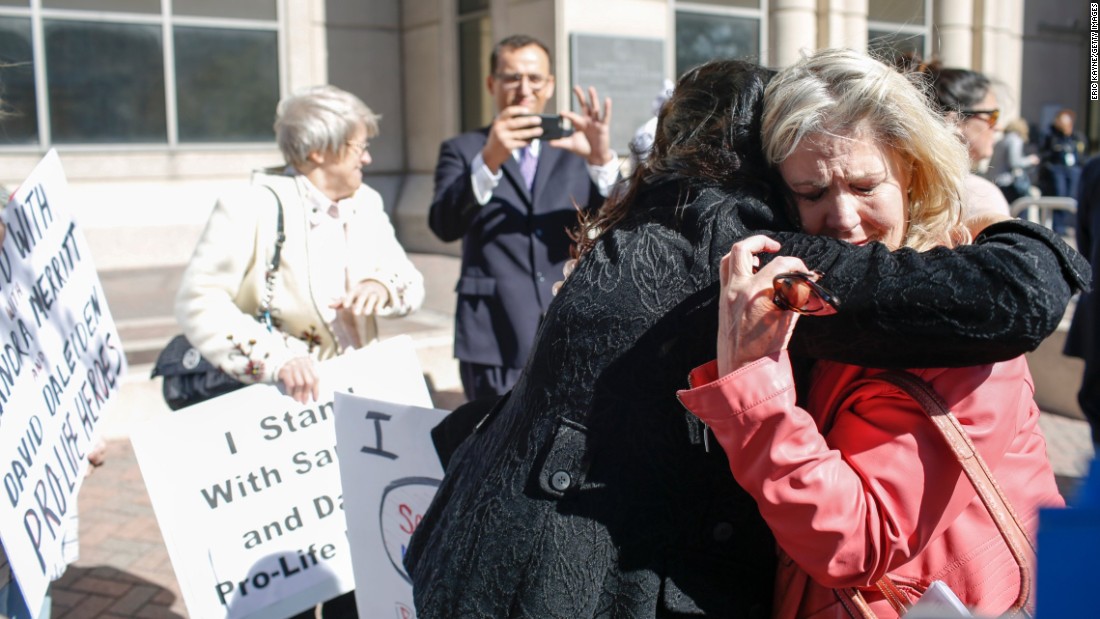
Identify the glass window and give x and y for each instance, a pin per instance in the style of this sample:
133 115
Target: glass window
242 9
472 6
474 43
124 6
20 105
897 28
740 4
104 76
227 83
701 37
896 11
106 82
889 45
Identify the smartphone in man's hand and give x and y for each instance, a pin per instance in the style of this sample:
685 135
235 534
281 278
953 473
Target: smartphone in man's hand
554 126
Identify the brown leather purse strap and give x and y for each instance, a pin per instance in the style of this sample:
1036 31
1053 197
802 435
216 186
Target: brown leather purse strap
1008 523
890 591
857 606
976 470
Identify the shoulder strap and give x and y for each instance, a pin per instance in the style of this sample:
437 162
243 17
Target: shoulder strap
976 470
280 235
263 313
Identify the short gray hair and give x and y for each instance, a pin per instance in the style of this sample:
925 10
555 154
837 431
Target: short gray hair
841 92
320 118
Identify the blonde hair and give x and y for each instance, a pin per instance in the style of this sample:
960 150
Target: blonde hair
320 119
1017 125
841 92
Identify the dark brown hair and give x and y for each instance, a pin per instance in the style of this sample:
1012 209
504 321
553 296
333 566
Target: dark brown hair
951 89
708 135
513 42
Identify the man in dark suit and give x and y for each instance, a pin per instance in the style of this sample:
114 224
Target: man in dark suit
1083 339
511 198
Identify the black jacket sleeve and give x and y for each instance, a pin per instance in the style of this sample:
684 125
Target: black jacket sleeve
453 205
993 300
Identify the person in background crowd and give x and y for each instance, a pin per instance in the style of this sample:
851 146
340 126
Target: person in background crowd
1083 339
857 483
1061 153
341 265
511 197
1010 167
642 141
967 99
586 491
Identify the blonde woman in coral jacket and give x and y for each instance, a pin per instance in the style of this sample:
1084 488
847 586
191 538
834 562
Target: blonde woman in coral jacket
855 481
340 266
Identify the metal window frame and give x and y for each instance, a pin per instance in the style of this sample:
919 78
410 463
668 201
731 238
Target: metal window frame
760 14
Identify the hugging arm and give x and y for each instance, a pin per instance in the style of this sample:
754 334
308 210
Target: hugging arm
990 301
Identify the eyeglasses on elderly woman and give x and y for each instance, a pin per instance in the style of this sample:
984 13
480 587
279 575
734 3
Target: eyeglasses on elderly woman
800 292
359 147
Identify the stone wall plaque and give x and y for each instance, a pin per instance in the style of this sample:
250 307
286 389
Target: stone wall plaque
630 70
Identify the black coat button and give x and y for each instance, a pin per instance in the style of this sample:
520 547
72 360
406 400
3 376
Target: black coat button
561 481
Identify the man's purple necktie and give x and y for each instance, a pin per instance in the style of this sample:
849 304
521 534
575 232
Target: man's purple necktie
528 163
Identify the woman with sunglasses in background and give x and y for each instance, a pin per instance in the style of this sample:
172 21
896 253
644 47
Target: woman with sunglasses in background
968 101
853 478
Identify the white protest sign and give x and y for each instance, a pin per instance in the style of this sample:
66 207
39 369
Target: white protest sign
387 449
247 492
61 361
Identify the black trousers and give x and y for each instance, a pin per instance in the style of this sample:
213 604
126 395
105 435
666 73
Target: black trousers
479 381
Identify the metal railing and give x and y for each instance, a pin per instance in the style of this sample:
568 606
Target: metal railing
1041 210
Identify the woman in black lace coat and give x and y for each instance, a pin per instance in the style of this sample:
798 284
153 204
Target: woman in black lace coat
588 491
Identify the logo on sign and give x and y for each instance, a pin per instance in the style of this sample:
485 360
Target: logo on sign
403 505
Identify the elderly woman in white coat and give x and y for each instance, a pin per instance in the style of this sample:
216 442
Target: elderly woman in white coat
340 264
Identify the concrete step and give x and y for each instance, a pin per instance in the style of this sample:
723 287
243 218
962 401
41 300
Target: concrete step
141 399
144 338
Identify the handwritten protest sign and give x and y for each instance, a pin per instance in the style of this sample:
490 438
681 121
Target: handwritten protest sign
61 362
387 449
246 488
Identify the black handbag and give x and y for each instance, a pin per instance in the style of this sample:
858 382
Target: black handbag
188 377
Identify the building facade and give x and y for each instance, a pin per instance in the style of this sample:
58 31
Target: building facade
156 106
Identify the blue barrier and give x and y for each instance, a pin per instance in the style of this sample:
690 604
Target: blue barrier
1068 547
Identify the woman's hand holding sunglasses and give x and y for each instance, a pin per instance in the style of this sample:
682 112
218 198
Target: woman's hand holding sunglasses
759 306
